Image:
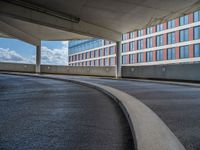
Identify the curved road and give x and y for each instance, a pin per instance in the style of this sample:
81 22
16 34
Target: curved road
178 106
45 114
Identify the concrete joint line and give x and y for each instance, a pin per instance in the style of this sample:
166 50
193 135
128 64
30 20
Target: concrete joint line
149 131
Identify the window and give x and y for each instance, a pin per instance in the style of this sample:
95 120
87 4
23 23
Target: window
140 33
124 47
106 51
184 20
96 54
112 50
171 38
106 62
124 36
196 33
92 54
92 63
124 59
131 58
184 35
100 52
159 27
131 35
184 52
140 44
149 30
131 46
140 57
171 24
87 55
149 56
197 50
171 53
101 62
86 63
96 62
149 42
112 61
197 16
159 40
159 55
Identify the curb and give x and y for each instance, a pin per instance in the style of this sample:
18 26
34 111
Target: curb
148 130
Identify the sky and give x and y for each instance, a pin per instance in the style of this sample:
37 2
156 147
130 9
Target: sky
52 52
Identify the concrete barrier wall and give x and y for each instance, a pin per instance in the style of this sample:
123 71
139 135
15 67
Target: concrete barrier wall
190 72
29 68
82 70
71 70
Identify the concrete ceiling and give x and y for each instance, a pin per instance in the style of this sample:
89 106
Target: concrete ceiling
43 19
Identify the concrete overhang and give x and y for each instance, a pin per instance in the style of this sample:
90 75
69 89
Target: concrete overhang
80 19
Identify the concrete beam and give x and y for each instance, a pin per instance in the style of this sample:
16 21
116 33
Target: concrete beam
16 33
42 18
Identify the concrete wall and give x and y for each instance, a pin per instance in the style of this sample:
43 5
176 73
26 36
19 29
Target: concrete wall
71 70
93 71
167 72
30 68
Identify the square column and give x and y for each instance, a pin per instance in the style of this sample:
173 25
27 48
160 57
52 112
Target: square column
118 59
38 58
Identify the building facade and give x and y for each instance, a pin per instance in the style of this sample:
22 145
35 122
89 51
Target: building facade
175 41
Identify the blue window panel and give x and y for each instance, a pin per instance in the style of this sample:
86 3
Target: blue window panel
112 50
171 38
112 61
106 62
140 57
131 58
197 16
171 53
140 33
184 20
196 32
159 27
124 59
184 35
149 30
131 35
197 50
149 42
159 40
124 47
132 46
159 55
171 24
140 44
184 52
100 52
106 51
149 56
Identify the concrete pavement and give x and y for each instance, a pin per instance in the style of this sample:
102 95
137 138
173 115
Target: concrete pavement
47 114
177 105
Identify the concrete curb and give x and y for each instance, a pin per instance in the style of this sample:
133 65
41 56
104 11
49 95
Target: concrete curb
149 131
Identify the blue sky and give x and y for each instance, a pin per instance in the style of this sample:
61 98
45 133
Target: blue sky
53 52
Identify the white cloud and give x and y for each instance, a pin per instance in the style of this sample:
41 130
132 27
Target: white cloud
7 55
55 56
49 56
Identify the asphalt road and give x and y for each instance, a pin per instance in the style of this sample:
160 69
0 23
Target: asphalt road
178 106
45 114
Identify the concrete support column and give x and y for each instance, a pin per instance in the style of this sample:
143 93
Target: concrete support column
118 59
38 58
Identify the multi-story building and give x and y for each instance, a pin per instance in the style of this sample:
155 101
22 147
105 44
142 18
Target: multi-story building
175 41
